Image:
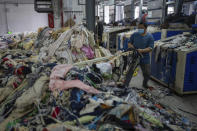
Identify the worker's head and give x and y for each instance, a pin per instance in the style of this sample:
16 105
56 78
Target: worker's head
142 28
97 18
144 12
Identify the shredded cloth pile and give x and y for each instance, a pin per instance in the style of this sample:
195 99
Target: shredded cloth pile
74 45
64 82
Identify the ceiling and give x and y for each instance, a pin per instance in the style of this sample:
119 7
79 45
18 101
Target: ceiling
17 1
105 2
120 2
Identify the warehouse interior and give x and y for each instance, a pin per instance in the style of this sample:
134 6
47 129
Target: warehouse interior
98 65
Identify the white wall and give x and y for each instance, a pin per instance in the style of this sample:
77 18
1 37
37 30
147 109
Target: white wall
22 18
3 25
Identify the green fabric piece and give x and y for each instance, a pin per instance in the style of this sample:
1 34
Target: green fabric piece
11 124
151 119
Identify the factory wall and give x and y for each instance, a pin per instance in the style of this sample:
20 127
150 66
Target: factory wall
20 18
3 24
71 9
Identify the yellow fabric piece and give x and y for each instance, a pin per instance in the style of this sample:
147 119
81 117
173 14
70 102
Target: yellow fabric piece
97 53
28 45
151 119
56 33
132 117
82 120
40 29
34 59
135 72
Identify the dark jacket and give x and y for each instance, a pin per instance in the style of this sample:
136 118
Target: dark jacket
99 29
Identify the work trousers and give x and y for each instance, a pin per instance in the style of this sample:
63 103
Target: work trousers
146 73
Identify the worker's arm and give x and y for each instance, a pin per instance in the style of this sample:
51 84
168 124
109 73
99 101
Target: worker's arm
146 50
130 45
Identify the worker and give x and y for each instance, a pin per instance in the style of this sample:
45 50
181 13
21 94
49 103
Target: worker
144 43
144 16
99 30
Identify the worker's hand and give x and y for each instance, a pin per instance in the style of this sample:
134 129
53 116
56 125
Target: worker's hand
140 50
124 38
130 45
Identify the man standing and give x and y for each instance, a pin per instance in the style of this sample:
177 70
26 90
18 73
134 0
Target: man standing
99 30
144 43
144 17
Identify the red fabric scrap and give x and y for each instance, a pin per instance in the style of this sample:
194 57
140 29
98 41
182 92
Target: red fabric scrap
45 129
56 112
158 106
15 85
5 59
19 71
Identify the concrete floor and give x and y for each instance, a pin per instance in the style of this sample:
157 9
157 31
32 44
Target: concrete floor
177 103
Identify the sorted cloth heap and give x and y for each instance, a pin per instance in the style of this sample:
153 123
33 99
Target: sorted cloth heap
181 43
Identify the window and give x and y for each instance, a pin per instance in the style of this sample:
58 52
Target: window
170 10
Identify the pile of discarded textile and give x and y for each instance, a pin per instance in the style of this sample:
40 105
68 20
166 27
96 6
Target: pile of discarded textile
18 40
79 97
39 93
73 45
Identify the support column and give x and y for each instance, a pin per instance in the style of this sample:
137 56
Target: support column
164 11
140 8
103 13
114 12
6 18
178 8
90 15
132 9
57 13
96 13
